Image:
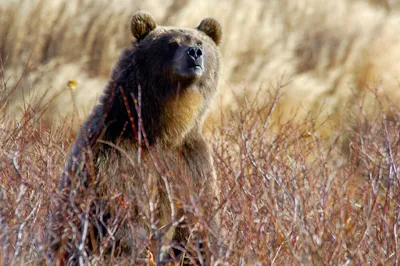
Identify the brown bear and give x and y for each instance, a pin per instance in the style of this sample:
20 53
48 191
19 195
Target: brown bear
140 174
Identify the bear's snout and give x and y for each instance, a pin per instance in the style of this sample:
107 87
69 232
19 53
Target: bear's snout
195 56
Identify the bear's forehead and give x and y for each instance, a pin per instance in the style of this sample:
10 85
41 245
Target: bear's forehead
177 34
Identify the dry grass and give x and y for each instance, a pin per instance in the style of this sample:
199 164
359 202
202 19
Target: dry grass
308 165
329 52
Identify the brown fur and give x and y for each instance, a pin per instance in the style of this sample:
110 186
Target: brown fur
179 113
142 145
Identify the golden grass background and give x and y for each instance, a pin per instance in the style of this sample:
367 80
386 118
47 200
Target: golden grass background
327 53
290 198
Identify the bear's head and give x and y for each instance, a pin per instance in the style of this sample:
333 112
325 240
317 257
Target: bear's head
175 69
177 55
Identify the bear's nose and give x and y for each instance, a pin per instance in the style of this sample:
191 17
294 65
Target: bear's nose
194 52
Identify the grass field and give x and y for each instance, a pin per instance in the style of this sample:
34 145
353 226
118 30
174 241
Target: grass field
304 132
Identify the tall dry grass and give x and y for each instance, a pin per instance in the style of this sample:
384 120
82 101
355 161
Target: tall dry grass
329 52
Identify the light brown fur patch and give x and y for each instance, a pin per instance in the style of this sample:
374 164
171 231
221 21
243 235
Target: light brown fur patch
180 114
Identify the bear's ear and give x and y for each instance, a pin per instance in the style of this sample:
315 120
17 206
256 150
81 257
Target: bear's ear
212 28
141 24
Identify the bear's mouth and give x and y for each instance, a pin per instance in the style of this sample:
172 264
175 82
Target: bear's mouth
195 67
189 69
192 70
195 70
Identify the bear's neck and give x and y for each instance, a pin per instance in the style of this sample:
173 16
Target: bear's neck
181 114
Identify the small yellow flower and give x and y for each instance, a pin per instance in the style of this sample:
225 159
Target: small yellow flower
309 135
72 84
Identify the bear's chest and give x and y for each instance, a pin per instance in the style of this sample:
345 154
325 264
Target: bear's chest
180 114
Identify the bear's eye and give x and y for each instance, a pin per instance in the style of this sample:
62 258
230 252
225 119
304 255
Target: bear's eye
199 43
173 45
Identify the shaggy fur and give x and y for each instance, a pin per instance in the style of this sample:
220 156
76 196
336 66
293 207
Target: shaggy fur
143 141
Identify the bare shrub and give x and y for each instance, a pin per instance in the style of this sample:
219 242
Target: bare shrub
288 195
